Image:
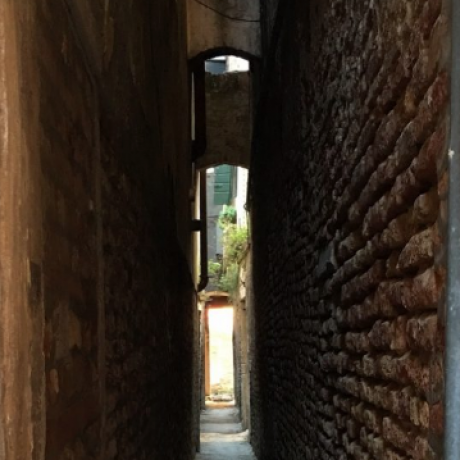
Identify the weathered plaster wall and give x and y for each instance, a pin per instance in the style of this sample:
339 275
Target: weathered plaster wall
208 30
242 339
68 154
348 204
228 120
97 165
21 332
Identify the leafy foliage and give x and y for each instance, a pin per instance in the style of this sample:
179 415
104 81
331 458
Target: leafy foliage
228 281
235 243
214 268
227 217
214 271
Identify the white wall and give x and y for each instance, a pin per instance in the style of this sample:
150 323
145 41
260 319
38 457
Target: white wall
236 64
241 194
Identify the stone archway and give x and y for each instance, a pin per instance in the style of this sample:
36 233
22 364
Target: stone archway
223 110
216 24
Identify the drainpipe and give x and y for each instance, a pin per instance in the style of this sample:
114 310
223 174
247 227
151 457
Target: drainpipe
204 278
452 354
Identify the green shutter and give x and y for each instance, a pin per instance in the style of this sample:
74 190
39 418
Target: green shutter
223 184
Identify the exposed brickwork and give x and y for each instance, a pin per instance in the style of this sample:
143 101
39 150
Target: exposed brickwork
347 234
149 330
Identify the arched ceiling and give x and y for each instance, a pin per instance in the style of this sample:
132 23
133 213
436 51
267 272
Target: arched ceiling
223 24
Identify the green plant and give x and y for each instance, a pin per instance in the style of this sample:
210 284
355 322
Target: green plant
214 271
227 217
214 268
228 282
235 242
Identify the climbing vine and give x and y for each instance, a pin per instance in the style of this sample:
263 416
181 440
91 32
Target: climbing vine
235 244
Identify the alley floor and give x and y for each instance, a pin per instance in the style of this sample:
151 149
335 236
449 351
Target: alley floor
222 436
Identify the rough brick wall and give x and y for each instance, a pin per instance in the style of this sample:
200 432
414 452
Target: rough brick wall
149 322
109 211
348 268
150 312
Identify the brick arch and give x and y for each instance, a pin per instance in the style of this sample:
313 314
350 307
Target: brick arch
207 29
222 118
222 137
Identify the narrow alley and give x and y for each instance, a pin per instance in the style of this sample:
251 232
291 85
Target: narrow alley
229 229
222 435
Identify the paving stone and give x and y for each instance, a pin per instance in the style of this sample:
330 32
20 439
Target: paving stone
222 437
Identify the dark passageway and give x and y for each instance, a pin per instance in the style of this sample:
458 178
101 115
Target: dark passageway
342 250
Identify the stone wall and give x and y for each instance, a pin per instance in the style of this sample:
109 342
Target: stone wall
104 317
22 363
348 195
228 120
238 323
68 152
149 323
230 25
242 305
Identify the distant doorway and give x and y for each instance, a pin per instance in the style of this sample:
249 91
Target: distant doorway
221 366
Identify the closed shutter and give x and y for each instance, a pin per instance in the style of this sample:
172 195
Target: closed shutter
223 185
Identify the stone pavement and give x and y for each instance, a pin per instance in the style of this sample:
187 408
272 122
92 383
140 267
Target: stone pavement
222 437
